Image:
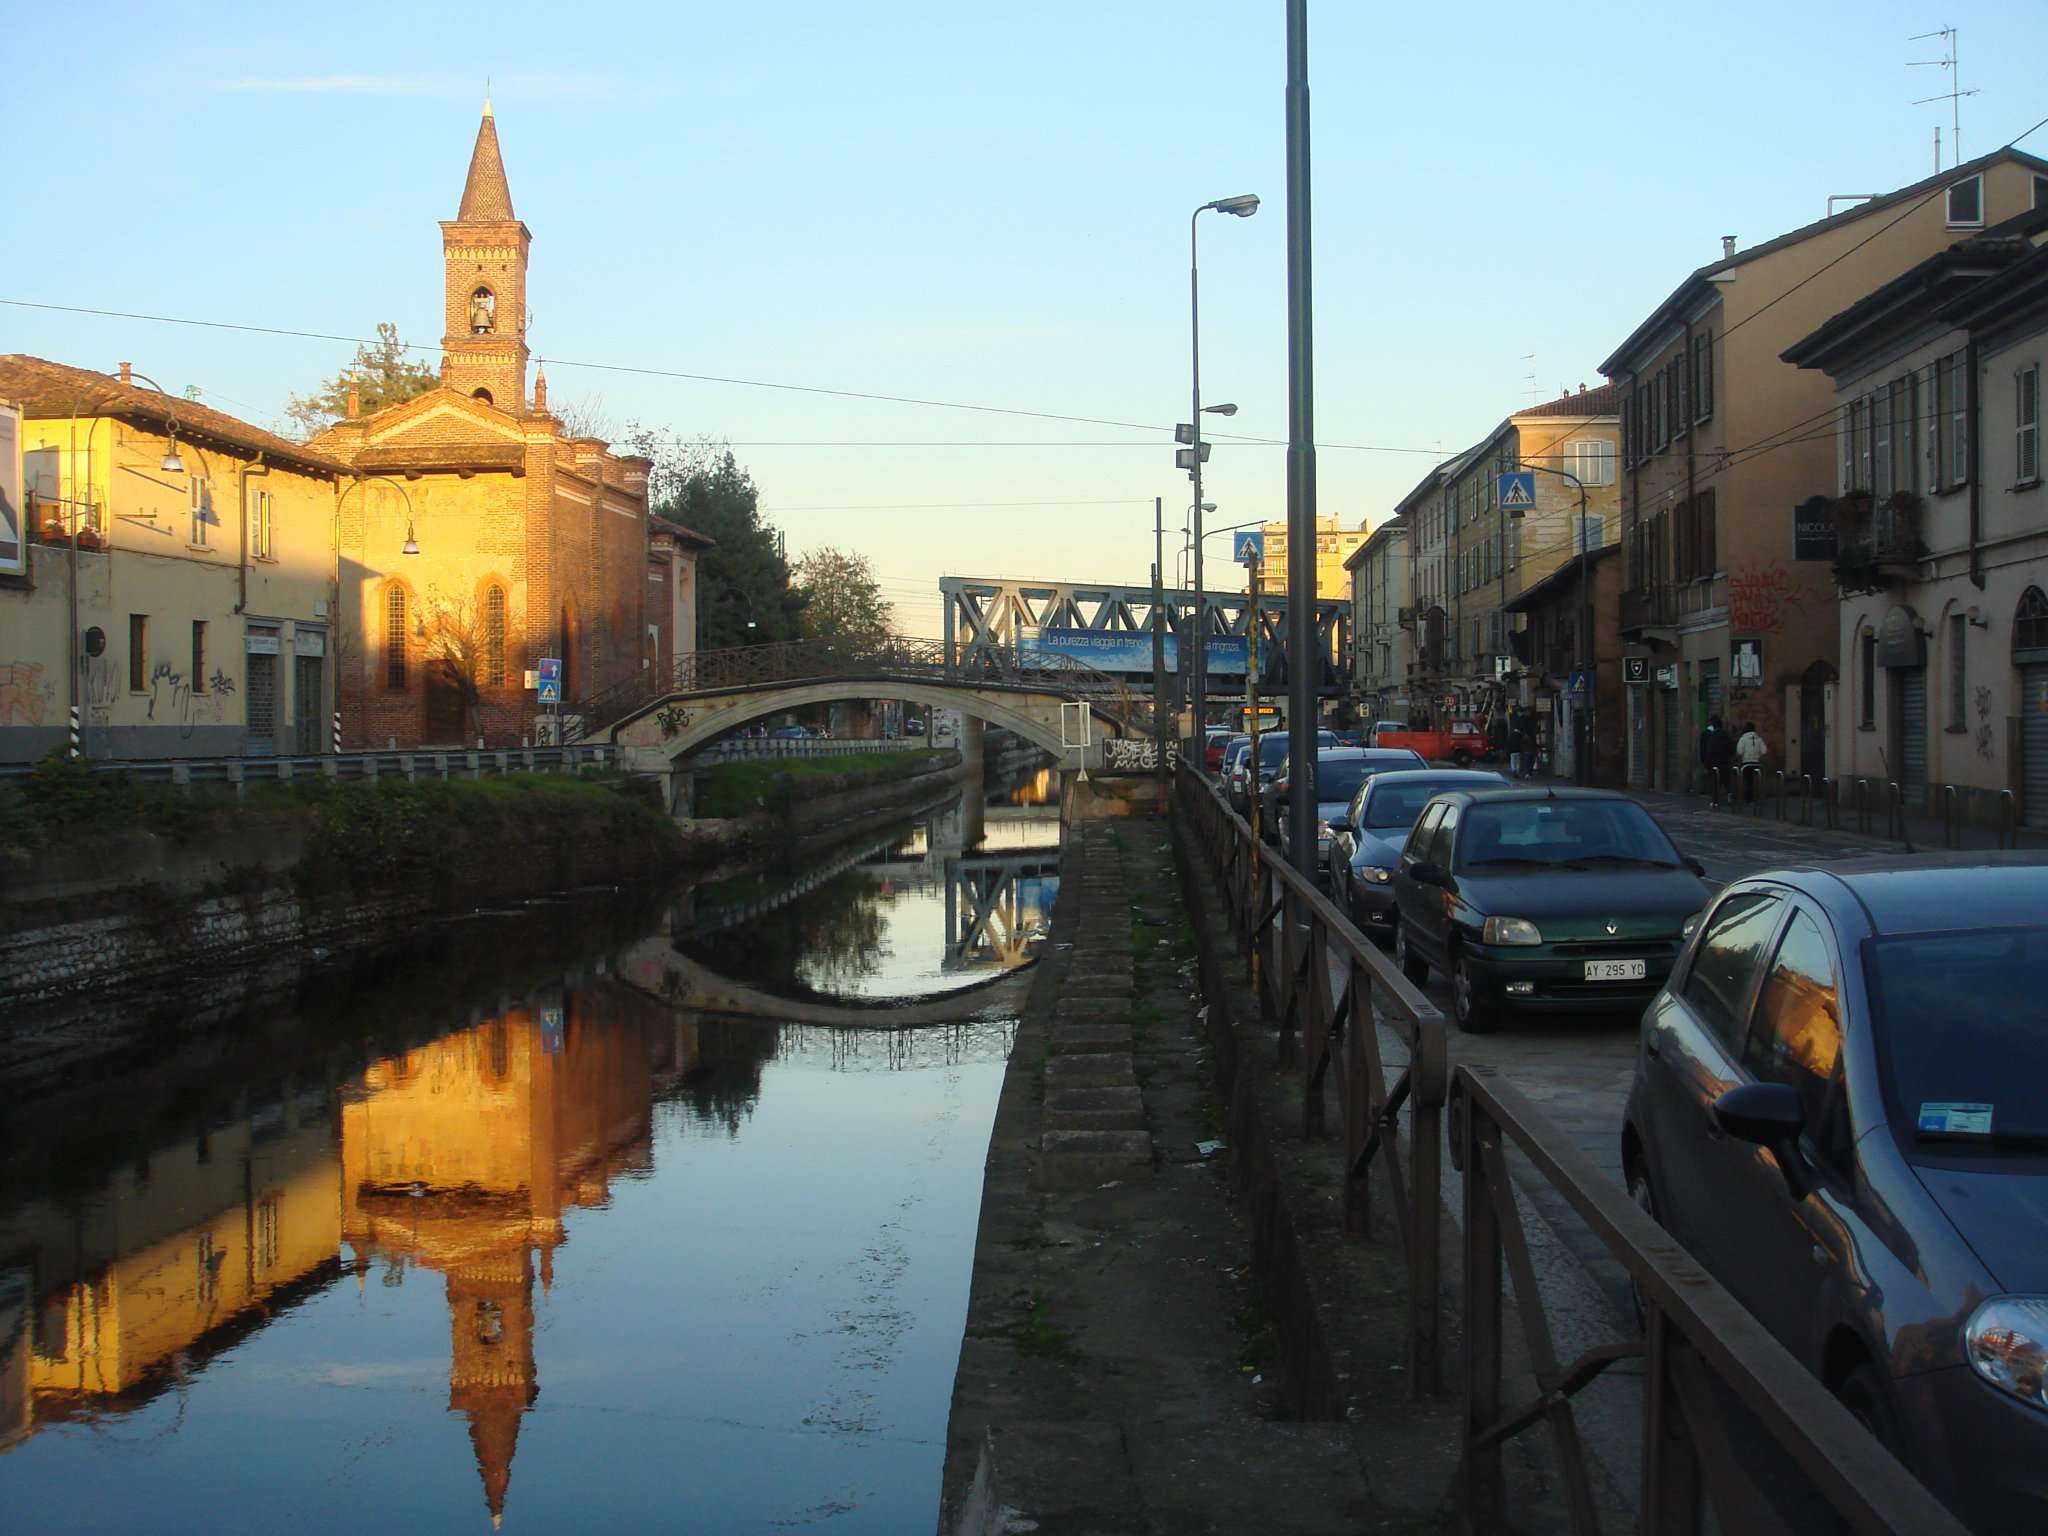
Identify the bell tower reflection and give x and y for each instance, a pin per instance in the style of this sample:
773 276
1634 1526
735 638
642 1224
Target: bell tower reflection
461 1156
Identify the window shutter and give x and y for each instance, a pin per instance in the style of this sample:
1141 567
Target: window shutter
2027 436
1960 385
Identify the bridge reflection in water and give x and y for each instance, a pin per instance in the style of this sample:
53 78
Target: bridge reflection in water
465 1160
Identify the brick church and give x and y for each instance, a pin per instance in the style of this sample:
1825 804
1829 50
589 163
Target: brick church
478 536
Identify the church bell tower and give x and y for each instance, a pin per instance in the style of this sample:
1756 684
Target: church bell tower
483 252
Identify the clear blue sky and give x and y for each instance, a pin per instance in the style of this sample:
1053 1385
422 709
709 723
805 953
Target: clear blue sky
965 202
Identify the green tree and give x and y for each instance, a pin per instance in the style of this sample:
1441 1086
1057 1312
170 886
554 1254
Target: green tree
842 599
385 374
743 575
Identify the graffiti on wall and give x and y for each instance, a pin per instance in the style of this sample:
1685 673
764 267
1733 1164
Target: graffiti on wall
102 683
1135 754
24 696
182 706
1760 594
1983 703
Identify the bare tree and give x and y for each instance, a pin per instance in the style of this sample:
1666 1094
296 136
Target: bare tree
586 416
462 647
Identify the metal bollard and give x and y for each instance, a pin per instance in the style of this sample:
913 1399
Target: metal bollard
1781 794
1806 798
1863 806
1895 812
2008 820
1951 827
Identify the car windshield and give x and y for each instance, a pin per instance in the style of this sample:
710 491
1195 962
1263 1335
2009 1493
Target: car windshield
1562 833
1398 804
1340 780
1964 1065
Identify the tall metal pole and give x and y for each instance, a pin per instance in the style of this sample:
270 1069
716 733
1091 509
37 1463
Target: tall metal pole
1304 667
1588 651
1198 673
1159 641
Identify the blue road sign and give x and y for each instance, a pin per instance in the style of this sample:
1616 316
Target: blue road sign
550 680
1518 492
551 1031
1247 547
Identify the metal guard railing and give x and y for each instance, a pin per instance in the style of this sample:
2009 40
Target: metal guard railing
1696 1337
1299 938
1698 1345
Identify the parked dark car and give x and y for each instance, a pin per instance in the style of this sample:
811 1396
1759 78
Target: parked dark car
1841 1108
788 733
1339 772
1370 834
1233 754
913 727
1542 901
1272 753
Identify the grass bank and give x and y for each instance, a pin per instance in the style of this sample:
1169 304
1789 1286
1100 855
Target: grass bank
775 786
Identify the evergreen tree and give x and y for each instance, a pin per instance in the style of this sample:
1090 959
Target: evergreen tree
385 375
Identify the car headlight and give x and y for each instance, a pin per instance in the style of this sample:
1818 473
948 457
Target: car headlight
1372 874
2007 1342
1510 930
1685 929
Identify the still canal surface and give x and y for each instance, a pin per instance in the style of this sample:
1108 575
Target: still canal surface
499 1230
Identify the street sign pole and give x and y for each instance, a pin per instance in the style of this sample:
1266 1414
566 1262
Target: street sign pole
1159 644
1304 675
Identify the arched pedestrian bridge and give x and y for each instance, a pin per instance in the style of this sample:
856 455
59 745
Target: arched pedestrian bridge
1065 708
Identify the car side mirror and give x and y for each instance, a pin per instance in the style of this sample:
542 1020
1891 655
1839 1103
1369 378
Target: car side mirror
1430 874
1696 867
1769 1115
1340 824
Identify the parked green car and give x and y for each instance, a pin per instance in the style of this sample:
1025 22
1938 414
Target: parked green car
1542 900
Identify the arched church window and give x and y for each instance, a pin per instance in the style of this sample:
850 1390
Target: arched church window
483 395
483 312
494 636
2030 621
394 638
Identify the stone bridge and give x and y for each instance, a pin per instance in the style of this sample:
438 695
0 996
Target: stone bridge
1063 707
655 968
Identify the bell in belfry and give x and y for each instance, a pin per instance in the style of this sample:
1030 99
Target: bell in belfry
483 305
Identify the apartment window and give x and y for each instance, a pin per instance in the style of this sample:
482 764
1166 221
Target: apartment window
1681 393
198 672
1959 418
1905 407
1590 461
1958 711
2041 191
202 511
1866 682
1845 440
1966 203
2027 428
259 525
394 638
138 652
1703 376
1881 441
494 636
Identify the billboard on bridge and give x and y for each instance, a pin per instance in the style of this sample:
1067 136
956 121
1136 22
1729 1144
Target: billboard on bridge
1110 650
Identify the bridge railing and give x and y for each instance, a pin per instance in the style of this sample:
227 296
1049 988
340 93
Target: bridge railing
1294 939
894 656
238 773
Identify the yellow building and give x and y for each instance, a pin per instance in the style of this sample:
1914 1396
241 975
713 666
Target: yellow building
1335 544
178 582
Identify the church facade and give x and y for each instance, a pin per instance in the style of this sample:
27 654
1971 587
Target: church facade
478 537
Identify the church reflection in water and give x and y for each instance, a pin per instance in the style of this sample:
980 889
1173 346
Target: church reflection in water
457 1158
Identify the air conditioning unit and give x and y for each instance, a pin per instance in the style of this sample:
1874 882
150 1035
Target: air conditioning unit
1406 618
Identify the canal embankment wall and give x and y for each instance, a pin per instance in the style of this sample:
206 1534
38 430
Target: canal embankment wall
100 888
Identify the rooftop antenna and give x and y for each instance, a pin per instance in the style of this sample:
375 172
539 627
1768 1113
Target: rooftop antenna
1535 394
1953 95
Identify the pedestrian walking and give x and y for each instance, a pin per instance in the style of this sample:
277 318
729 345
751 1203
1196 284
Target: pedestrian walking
1532 746
1511 741
1750 750
1717 757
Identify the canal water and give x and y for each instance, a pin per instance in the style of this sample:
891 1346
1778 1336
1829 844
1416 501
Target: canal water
508 1230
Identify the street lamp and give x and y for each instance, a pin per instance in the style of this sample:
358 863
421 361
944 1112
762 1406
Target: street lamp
411 546
1242 207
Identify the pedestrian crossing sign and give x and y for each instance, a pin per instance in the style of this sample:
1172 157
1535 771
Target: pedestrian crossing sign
1250 548
1518 492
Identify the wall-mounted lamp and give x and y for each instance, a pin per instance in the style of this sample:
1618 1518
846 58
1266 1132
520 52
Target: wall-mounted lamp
1977 620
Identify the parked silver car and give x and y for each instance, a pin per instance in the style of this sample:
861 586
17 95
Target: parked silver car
1841 1108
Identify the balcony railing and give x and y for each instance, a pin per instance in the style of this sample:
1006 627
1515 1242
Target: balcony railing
51 520
1648 607
1880 542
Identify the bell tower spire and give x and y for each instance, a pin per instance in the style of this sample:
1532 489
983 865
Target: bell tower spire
483 254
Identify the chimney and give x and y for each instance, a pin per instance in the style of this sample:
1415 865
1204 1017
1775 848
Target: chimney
1582 387
126 376
1727 247
355 400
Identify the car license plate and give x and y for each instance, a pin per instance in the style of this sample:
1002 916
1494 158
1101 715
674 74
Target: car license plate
1616 970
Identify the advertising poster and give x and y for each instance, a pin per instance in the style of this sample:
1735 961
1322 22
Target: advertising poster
1131 650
